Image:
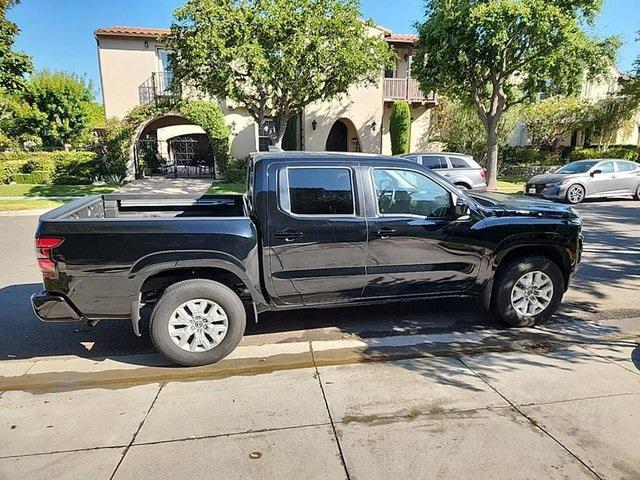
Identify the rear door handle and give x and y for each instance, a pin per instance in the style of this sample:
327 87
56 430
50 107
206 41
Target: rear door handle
386 232
288 235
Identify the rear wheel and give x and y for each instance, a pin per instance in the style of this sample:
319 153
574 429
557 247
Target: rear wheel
575 194
197 322
637 194
528 289
463 186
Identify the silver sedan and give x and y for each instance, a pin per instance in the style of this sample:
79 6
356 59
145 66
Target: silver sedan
583 179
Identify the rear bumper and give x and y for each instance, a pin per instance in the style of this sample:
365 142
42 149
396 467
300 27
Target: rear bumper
53 307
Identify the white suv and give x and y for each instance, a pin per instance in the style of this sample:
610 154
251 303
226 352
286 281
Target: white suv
460 169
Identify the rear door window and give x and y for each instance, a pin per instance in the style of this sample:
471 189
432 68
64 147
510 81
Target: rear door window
626 166
457 162
434 162
317 191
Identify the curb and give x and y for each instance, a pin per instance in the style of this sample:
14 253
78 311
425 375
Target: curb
74 373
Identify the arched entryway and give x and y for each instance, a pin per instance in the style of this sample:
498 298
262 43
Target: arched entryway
172 145
343 137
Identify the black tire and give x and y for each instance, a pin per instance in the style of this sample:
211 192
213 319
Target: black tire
463 186
510 273
573 199
636 196
181 292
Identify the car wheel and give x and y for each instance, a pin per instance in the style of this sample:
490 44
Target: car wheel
575 194
528 290
197 322
463 186
637 194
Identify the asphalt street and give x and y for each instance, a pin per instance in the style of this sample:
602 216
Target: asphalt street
606 286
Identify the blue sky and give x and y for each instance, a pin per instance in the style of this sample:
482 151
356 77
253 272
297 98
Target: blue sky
58 34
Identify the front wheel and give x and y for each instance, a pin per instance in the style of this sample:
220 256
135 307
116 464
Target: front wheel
636 196
528 290
575 194
197 322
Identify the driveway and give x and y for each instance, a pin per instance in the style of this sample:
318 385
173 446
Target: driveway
168 186
427 389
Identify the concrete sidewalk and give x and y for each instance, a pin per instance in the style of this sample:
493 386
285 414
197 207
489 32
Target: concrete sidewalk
570 413
168 186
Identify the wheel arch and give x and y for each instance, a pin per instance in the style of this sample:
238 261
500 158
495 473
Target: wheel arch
555 253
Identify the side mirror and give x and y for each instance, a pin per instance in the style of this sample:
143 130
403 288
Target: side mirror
595 172
460 209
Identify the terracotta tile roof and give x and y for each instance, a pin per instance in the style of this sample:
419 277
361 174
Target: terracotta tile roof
402 38
122 31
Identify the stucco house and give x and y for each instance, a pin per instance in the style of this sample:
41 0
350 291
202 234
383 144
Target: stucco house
591 90
134 70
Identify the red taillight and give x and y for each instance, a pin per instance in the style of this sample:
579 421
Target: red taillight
483 174
44 246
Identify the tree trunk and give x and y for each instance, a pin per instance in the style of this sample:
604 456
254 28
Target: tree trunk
492 153
281 128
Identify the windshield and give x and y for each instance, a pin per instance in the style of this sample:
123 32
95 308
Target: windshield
577 167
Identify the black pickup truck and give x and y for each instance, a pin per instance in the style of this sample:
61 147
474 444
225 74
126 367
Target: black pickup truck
313 230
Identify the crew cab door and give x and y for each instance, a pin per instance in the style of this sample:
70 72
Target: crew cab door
316 235
416 246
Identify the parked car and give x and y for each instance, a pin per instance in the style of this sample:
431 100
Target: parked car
314 230
460 169
583 179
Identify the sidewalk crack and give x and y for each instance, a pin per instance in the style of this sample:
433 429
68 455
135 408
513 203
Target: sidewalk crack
531 420
133 439
326 404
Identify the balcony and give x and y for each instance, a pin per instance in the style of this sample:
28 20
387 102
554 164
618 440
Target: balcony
157 90
406 89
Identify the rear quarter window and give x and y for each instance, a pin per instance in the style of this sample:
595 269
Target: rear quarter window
457 162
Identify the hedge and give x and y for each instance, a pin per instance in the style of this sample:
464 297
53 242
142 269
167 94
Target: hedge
38 177
527 156
47 167
628 152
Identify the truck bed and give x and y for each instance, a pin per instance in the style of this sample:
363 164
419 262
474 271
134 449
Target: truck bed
149 207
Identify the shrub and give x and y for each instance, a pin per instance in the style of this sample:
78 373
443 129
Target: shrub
628 152
71 180
234 175
37 177
529 156
57 165
400 128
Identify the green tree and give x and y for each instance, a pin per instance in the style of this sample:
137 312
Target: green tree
499 53
611 114
13 65
549 121
400 128
57 108
273 57
455 123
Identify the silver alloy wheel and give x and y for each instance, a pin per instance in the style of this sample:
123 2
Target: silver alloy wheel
532 293
575 194
198 325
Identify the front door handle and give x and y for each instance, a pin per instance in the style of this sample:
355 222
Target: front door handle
288 235
386 232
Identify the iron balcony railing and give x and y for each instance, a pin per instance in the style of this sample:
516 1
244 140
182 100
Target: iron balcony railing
406 89
157 88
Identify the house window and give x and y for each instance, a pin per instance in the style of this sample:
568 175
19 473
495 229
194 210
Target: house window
264 140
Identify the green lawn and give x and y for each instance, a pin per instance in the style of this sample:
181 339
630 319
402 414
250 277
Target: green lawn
511 184
6 205
22 190
227 188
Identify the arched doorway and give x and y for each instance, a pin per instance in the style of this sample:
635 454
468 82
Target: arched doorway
338 139
172 145
343 137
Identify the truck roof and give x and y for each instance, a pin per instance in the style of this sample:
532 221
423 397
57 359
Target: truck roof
300 155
